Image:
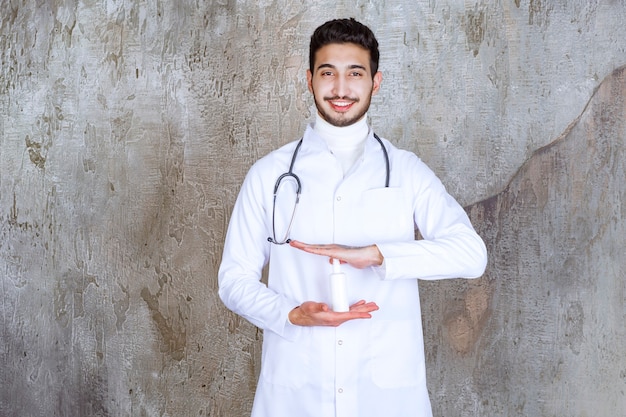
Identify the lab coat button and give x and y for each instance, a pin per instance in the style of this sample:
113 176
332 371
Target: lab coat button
338 198
340 390
340 342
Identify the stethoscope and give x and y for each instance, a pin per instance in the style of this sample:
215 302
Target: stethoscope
290 174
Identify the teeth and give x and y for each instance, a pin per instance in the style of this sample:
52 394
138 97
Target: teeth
341 104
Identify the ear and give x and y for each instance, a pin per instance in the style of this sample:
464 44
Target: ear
309 80
378 79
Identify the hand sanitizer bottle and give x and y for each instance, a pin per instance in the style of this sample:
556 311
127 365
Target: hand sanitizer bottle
338 289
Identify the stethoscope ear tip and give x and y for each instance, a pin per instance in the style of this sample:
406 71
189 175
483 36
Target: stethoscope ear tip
271 240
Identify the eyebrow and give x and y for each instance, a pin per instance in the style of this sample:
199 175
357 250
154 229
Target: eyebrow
353 66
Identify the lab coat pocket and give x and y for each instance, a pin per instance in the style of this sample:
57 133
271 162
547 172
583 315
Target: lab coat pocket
285 363
395 354
387 214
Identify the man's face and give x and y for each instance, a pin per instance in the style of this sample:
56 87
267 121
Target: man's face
342 83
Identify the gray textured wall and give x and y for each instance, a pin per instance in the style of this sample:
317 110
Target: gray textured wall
127 126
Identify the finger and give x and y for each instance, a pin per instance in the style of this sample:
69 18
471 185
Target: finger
365 308
359 315
298 244
314 249
358 303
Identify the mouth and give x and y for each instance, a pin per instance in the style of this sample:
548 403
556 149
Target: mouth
341 105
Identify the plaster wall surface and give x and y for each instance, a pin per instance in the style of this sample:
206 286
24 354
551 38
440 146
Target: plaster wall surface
126 128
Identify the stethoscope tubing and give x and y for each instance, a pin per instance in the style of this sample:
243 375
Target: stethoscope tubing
291 174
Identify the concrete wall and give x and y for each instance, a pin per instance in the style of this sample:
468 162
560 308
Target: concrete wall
127 126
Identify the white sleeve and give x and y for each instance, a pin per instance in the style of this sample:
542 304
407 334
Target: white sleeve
246 251
450 247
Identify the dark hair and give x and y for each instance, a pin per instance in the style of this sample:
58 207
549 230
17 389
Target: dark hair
344 31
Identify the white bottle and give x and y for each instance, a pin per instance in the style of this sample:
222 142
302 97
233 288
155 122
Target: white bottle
338 289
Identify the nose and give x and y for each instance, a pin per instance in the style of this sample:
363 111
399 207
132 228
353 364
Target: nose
341 87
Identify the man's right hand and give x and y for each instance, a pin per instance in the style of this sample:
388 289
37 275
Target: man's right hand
311 313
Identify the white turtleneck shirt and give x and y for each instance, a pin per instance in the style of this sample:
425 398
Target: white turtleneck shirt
346 143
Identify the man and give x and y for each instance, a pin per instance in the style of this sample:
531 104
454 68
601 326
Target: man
368 361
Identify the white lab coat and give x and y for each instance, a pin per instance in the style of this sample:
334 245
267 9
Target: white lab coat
363 368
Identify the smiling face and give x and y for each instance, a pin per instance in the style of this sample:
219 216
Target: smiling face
342 83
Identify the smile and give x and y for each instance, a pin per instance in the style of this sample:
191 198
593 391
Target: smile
341 105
